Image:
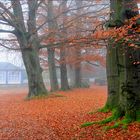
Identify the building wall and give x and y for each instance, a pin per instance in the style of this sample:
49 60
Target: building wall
3 77
10 77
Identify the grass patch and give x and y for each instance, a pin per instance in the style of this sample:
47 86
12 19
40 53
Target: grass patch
55 95
44 96
41 96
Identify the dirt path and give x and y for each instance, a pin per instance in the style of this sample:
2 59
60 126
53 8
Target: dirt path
54 118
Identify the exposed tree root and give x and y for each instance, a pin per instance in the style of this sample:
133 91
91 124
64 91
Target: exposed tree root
88 124
128 116
116 114
105 109
123 123
107 120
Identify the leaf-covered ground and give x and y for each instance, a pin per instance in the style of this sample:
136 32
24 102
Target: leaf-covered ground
58 117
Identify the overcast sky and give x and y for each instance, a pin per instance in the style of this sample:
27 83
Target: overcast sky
12 57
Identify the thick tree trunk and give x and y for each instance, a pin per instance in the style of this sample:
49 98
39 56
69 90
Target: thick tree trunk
30 56
77 69
112 62
126 65
63 70
112 77
129 100
51 52
34 73
28 41
112 57
63 66
77 66
52 70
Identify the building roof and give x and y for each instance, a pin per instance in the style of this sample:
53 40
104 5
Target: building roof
8 66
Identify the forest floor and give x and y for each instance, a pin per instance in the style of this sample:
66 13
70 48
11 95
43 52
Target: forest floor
58 117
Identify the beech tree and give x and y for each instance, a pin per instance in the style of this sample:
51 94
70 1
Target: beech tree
123 58
69 31
55 34
27 27
123 63
27 38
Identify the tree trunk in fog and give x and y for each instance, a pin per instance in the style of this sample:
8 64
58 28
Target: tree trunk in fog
28 41
123 74
71 74
51 51
52 70
77 67
63 66
63 70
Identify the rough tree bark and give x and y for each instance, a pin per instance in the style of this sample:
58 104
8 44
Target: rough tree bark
28 41
112 77
126 82
112 61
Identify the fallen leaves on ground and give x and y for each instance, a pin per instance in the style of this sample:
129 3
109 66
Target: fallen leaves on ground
58 118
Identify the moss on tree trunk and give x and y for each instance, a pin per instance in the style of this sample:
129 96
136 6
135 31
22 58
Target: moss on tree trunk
123 73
